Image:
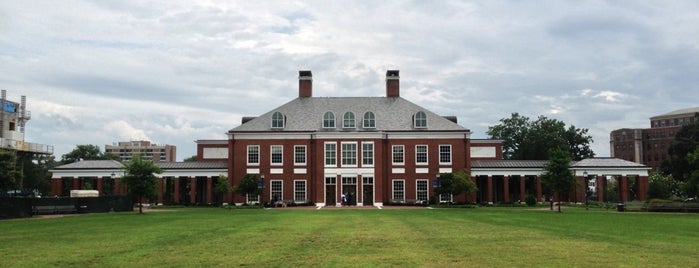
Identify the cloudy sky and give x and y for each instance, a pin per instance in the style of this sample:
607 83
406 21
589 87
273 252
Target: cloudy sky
174 72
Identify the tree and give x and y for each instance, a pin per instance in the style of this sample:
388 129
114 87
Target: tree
191 159
691 186
455 184
661 186
222 186
248 186
557 175
86 152
140 178
686 141
10 177
524 139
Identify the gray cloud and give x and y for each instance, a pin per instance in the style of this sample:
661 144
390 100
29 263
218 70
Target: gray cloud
97 72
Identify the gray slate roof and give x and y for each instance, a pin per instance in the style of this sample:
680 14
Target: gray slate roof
93 164
597 162
112 164
601 162
306 114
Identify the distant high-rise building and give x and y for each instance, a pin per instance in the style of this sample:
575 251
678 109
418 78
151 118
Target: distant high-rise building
158 153
649 146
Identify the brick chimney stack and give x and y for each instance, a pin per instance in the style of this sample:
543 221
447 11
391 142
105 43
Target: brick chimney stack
305 84
392 84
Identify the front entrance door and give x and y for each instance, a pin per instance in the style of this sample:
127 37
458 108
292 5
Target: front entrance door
330 194
368 191
349 188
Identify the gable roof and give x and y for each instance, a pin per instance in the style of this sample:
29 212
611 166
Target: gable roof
606 162
92 164
391 114
686 111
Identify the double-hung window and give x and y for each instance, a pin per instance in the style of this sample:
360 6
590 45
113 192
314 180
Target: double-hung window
276 155
421 190
276 190
398 190
421 154
445 154
253 155
299 155
300 191
331 154
349 154
398 154
367 154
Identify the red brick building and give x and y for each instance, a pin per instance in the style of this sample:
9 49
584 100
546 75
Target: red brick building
649 146
376 150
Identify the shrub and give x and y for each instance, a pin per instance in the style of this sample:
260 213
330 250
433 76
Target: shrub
530 200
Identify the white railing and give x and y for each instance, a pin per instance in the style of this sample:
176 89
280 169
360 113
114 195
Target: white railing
26 146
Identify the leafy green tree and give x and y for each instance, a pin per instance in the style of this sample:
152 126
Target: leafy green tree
524 139
248 186
140 178
455 184
222 187
10 177
557 174
191 159
86 152
661 186
691 187
686 141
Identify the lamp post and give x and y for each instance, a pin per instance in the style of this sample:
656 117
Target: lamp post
261 188
436 184
587 190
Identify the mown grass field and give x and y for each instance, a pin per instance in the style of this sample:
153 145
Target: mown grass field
480 237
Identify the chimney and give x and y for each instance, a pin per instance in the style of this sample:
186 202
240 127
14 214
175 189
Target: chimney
305 84
392 85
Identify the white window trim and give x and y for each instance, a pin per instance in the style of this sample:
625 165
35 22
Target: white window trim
281 196
305 191
427 183
427 155
364 120
373 149
393 189
451 155
248 201
322 122
354 120
325 154
393 160
305 155
247 155
356 154
415 120
271 158
451 199
271 122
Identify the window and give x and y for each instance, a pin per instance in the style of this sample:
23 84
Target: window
367 180
253 198
300 155
300 191
369 120
445 198
330 154
398 190
445 154
349 154
421 154
421 191
348 120
328 120
276 155
275 190
367 154
398 151
277 120
420 120
253 154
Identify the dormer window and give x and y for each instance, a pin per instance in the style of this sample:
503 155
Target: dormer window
420 120
369 120
328 120
348 120
277 120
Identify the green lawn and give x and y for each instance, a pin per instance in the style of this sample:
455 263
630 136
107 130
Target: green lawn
480 237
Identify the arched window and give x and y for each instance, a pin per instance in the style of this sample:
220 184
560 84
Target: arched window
328 120
420 120
277 120
369 120
348 120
